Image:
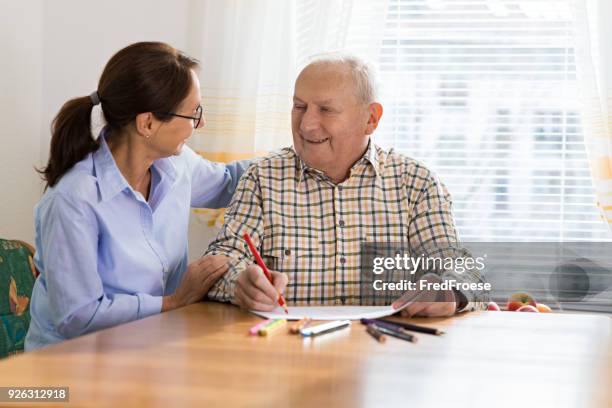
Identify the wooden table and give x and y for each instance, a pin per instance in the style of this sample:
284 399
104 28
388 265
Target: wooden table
201 356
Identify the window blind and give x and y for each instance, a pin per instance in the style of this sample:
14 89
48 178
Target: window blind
485 93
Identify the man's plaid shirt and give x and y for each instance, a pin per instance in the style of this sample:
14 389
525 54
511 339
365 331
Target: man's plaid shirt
312 229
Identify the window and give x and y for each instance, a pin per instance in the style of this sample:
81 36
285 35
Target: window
484 92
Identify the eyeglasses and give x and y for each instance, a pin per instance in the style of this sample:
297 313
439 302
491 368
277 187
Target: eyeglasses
196 119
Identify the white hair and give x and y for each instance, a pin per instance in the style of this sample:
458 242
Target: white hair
363 73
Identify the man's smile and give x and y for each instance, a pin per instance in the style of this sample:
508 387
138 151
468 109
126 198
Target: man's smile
314 140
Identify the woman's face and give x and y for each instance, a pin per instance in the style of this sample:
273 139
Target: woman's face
172 135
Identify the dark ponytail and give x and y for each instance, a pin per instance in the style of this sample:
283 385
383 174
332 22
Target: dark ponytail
71 138
143 77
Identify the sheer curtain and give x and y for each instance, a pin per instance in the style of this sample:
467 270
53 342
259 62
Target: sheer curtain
248 55
594 51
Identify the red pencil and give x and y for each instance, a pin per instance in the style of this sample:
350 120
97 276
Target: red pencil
262 265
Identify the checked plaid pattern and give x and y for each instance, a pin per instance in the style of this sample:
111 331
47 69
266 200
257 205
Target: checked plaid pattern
312 229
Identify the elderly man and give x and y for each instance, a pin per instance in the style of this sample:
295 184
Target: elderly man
309 208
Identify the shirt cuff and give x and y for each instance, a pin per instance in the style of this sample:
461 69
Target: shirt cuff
148 305
224 289
230 284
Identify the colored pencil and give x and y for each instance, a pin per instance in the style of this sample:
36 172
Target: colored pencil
255 329
381 323
272 327
299 325
374 332
262 265
396 333
324 328
414 327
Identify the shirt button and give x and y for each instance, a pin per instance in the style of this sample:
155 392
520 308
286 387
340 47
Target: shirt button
343 299
339 188
342 260
287 252
341 223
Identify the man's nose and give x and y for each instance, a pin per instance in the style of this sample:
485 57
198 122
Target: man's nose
310 120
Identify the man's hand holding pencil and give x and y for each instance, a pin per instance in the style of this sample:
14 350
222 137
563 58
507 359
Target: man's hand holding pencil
258 288
255 292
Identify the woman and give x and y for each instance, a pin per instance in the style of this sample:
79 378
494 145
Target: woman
111 229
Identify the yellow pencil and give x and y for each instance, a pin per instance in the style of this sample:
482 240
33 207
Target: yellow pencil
272 327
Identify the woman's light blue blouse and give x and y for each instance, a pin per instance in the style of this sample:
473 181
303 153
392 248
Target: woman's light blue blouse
107 256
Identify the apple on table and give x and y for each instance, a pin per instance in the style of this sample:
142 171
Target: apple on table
528 308
520 299
542 308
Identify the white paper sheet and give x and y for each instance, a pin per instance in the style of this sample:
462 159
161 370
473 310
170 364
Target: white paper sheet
329 312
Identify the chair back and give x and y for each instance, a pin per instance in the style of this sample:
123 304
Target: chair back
17 277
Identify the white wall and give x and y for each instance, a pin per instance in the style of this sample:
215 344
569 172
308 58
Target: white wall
21 50
81 36
51 51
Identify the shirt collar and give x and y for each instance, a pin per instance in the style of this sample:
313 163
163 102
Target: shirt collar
110 180
369 157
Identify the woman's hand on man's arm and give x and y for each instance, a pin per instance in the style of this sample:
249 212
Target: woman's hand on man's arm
197 281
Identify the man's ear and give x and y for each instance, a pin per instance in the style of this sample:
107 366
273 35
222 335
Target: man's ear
375 110
146 124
